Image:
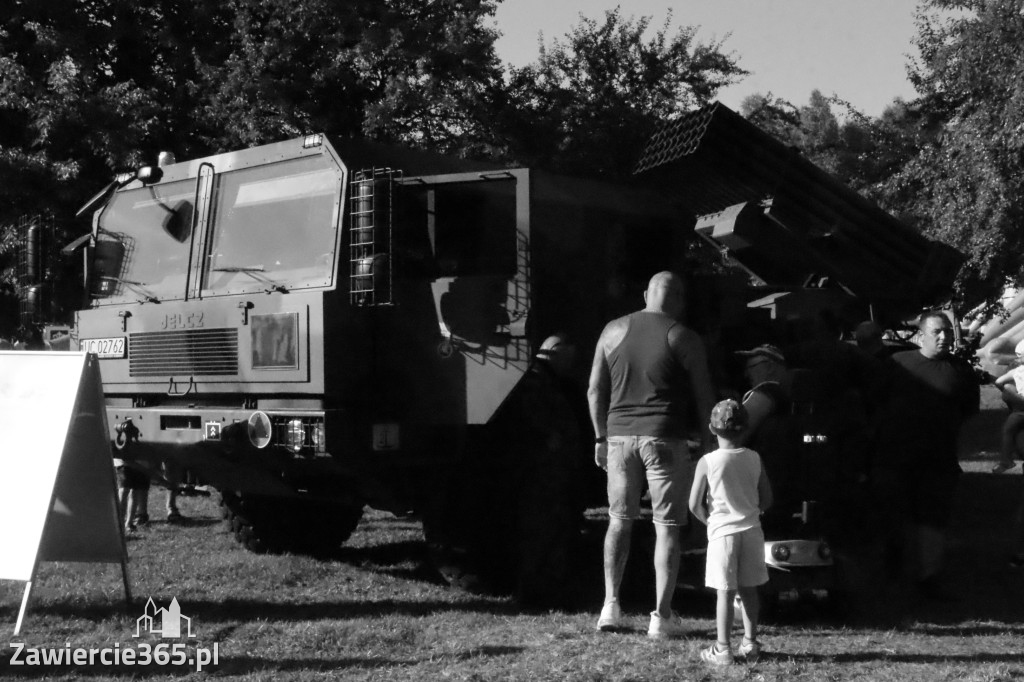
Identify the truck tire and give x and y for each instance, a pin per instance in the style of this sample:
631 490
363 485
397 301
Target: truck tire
273 525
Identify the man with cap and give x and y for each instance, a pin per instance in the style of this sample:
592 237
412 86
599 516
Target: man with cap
648 369
547 425
770 383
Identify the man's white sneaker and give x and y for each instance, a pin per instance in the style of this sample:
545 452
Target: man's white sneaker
611 617
665 628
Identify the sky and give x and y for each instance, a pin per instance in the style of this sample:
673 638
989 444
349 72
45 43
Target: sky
855 49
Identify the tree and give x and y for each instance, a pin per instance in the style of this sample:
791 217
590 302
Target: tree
592 100
965 185
93 87
401 70
774 115
857 150
84 85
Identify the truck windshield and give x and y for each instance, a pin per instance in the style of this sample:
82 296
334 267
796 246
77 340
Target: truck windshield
144 242
274 227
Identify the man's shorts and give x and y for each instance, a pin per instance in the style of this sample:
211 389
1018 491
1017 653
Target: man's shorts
131 478
736 560
666 464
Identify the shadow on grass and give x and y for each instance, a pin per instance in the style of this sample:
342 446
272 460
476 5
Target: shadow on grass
886 657
250 610
241 665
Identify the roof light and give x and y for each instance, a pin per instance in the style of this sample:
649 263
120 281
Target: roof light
314 140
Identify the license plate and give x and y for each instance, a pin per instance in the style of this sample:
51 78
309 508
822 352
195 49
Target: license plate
104 348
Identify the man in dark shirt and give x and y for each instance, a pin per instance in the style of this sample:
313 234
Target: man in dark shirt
916 468
647 368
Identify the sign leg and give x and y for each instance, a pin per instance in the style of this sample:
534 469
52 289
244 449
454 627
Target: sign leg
24 606
127 584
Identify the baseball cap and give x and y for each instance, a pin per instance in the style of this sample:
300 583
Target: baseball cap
728 417
767 350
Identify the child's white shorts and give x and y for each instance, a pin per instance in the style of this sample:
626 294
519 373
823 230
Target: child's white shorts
736 560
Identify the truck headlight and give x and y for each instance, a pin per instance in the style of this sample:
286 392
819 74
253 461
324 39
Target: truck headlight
295 435
317 437
259 430
780 552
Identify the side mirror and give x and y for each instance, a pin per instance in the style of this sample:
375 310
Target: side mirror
147 175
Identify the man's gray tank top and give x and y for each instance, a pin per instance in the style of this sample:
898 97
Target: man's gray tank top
648 386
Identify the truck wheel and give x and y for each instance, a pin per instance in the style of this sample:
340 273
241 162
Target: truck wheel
278 524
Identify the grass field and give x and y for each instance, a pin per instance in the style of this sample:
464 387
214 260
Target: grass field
379 612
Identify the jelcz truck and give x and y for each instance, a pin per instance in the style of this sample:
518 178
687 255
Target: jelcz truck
312 330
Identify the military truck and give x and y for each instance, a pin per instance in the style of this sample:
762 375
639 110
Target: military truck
312 329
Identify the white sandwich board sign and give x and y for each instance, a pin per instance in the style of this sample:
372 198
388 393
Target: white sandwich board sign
58 493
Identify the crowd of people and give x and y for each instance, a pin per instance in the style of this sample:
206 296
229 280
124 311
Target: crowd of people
899 414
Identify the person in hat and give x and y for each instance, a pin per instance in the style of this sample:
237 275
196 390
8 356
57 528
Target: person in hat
648 371
544 425
770 382
730 490
1014 399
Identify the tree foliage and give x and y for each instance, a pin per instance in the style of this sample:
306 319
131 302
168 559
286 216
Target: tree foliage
593 98
965 185
92 87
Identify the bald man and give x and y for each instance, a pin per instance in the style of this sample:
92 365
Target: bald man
647 369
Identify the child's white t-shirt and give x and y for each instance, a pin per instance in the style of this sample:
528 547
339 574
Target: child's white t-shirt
733 499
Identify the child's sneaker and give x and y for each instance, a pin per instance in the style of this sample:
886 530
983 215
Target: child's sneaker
611 617
716 656
1003 466
749 650
665 628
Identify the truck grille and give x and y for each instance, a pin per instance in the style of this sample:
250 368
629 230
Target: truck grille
188 352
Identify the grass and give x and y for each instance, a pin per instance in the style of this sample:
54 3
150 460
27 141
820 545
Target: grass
378 612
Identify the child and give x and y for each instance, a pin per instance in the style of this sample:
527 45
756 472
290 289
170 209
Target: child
733 484
133 493
1015 401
